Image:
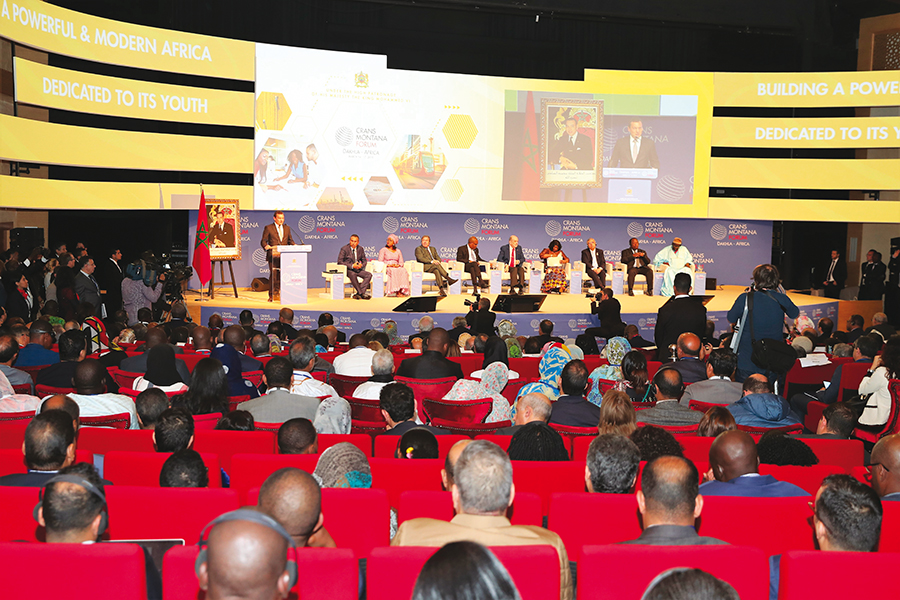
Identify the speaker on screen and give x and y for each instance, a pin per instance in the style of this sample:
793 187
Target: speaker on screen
418 304
519 304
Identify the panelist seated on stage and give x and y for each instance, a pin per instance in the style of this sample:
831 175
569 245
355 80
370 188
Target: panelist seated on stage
636 263
275 234
428 255
513 259
354 258
634 151
677 259
594 263
468 255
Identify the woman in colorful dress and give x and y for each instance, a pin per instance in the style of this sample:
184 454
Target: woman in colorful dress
554 277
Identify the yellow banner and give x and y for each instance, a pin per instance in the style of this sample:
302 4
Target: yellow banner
858 88
779 209
805 173
862 132
25 192
61 31
53 87
51 143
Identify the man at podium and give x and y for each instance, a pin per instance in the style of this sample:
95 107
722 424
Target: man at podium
275 234
678 259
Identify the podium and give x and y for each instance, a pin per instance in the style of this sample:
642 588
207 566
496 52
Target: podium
630 186
293 278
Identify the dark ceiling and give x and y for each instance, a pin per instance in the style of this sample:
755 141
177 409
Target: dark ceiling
543 38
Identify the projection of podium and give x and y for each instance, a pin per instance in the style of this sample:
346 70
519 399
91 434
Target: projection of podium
630 186
293 278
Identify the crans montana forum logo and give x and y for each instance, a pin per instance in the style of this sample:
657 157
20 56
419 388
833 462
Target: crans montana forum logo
375 322
553 228
718 232
343 136
535 323
572 323
415 323
471 226
306 223
390 224
642 323
259 257
635 229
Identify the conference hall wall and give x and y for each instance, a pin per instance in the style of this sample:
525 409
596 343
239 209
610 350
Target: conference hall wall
441 149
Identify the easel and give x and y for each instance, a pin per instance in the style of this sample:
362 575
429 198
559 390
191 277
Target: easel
222 283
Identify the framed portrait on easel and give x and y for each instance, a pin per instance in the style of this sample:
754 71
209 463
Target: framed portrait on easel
571 142
224 229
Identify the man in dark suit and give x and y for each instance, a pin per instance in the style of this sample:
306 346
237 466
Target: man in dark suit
835 275
221 234
274 234
72 349
688 361
633 335
634 151
469 256
546 334
86 285
429 257
594 263
669 501
49 446
874 272
111 276
433 363
609 313
680 314
636 261
734 462
836 423
513 258
286 318
573 150
480 319
354 258
572 408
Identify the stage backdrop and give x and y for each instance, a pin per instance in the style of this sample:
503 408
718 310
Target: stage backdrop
727 250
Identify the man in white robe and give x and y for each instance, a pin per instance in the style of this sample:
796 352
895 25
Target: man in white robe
678 259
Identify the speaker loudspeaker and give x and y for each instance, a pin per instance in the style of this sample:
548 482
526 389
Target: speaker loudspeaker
260 284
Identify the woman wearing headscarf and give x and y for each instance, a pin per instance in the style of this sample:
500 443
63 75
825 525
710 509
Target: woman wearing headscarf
396 279
333 416
390 328
161 372
10 401
494 351
550 369
237 385
615 350
493 379
506 329
513 347
554 277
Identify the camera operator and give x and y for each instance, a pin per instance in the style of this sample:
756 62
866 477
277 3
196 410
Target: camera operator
480 318
137 292
609 312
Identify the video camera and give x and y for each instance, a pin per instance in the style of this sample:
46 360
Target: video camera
151 269
473 303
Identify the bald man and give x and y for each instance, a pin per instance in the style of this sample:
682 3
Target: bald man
201 338
530 407
469 256
689 362
66 404
884 468
91 395
667 411
734 470
293 498
450 462
235 337
433 363
244 560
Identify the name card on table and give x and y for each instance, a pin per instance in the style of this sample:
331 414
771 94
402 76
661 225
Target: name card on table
618 283
337 286
699 283
378 285
658 283
575 282
415 283
456 288
496 281
534 282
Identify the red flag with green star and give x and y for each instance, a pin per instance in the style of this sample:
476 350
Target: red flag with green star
201 262
531 161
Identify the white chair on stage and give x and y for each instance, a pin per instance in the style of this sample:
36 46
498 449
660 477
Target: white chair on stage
585 280
333 268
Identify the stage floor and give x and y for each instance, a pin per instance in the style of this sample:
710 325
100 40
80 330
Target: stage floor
571 312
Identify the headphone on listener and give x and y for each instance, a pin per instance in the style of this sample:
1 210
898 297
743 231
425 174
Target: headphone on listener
656 378
83 482
244 514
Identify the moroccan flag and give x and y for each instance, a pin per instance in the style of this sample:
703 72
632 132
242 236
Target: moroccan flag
531 156
201 263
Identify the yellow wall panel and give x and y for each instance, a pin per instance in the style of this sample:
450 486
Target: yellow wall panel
866 88
51 143
805 173
779 209
859 132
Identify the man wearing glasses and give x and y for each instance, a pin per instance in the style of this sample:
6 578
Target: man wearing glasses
884 467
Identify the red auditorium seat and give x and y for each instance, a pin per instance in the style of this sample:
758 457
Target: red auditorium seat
365 409
581 518
570 434
460 411
320 376
191 359
802 379
75 571
809 478
13 461
142 468
41 390
676 430
207 422
397 475
798 428
703 406
101 441
345 385
469 363
614 571
251 470
22 388
890 527
511 391
774 525
267 426
501 440
391 572
165 513
805 575
254 377
17 506
116 421
528 367
24 416
324 574
233 401
360 440
470 429
427 388
33 371
386 445
546 478
893 422
123 379
226 444
526 508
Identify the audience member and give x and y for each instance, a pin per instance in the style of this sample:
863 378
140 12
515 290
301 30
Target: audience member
293 498
208 390
382 369
633 335
734 470
528 409
236 337
635 376
777 448
617 414
357 361
759 407
9 352
418 442
864 350
689 361
612 465
72 350
343 466
231 362
450 462
201 337
837 422
719 387
261 345
493 379
297 436
279 404
668 388
459 327
875 384
184 469
433 363
150 404
303 359
49 446
670 502
546 334
162 372
716 420
236 420
537 441
138 364
654 442
572 408
398 407
854 328
92 398
463 571
174 431
482 491
883 472
688 584
65 404
680 314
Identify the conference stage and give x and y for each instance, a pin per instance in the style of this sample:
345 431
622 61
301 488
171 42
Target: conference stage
569 312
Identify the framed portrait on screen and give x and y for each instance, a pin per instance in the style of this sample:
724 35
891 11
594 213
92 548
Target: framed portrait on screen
571 142
224 229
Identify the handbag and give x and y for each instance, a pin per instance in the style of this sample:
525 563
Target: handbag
769 353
